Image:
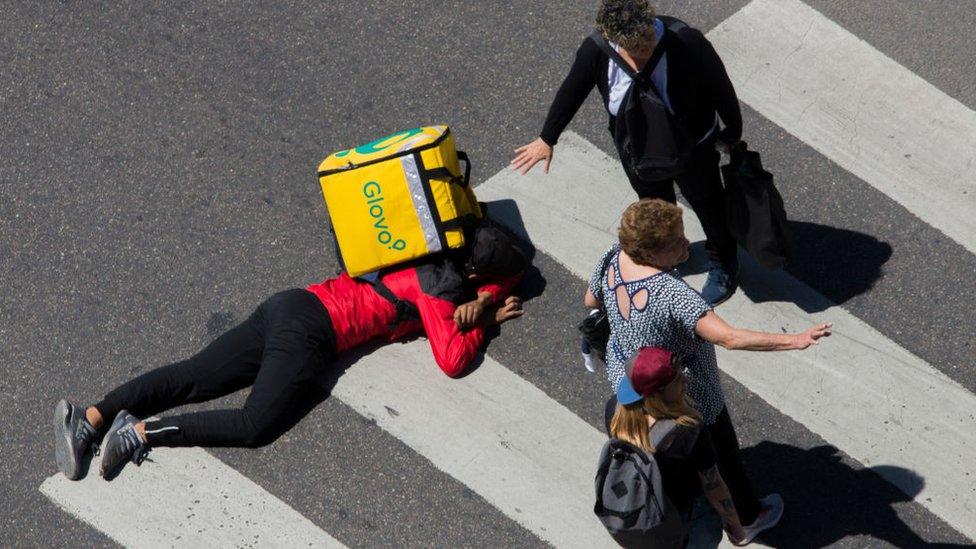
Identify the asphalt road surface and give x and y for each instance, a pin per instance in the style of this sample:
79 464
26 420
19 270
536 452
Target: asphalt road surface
157 182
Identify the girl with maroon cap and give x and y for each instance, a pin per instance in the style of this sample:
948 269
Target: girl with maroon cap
651 397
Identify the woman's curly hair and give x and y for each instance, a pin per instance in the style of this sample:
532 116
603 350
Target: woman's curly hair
625 22
647 228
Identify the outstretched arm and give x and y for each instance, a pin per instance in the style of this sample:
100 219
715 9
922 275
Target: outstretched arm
573 91
712 328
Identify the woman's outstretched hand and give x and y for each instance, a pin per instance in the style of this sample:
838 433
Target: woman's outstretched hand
529 155
812 335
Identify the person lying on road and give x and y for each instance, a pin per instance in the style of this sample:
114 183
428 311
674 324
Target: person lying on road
290 339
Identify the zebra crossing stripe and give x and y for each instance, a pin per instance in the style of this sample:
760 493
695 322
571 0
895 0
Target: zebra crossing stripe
858 107
506 440
184 497
858 390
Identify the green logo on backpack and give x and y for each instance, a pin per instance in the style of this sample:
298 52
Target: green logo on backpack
386 142
374 199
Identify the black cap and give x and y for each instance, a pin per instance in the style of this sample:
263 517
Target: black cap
494 253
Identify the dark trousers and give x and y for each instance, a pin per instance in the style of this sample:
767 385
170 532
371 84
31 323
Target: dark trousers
728 459
281 348
701 185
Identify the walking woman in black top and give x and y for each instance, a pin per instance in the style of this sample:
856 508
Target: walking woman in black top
692 82
652 396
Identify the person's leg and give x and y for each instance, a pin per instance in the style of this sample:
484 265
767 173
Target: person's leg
701 185
226 365
704 526
298 344
729 460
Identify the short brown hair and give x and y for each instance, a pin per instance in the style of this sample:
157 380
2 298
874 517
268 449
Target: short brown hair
646 228
625 22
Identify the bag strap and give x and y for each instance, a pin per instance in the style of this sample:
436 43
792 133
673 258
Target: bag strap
655 480
661 430
659 50
641 459
463 222
442 172
404 309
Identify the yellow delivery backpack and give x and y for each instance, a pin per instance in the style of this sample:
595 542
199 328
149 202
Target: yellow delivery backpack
398 198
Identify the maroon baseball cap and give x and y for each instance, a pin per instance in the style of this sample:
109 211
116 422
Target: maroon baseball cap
650 369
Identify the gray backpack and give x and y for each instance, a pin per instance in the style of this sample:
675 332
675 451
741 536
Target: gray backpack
630 500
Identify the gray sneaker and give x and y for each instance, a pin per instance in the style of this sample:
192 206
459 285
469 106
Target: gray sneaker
720 285
73 436
122 443
772 511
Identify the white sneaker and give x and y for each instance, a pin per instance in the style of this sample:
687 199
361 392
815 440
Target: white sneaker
772 511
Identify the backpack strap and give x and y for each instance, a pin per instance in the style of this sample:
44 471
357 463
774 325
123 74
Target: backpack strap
464 222
405 311
442 172
659 50
661 430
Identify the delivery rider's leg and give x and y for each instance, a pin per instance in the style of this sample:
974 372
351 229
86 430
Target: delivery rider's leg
299 344
229 363
226 365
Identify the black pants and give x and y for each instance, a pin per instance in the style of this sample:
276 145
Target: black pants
728 459
701 185
278 351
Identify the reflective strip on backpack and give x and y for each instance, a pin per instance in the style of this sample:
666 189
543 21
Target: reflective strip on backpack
420 203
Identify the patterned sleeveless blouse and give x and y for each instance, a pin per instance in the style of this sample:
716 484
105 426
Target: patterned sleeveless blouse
658 311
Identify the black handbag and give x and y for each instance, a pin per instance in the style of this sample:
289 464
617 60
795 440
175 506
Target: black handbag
595 329
757 218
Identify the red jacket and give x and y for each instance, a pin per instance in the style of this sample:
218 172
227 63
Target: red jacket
359 314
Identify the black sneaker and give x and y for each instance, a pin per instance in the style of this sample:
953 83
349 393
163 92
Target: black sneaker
73 436
122 443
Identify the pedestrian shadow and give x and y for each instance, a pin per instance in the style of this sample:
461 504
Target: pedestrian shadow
506 215
828 500
837 264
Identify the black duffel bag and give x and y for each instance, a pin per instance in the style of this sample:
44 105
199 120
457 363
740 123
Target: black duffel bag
757 218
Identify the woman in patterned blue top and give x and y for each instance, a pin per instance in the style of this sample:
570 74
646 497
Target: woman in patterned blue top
648 305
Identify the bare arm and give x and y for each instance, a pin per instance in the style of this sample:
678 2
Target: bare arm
590 301
712 328
467 314
718 495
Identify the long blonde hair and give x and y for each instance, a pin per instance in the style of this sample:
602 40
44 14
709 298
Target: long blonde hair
629 421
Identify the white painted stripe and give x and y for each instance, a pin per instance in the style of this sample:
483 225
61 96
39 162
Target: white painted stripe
523 452
858 107
858 390
184 498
